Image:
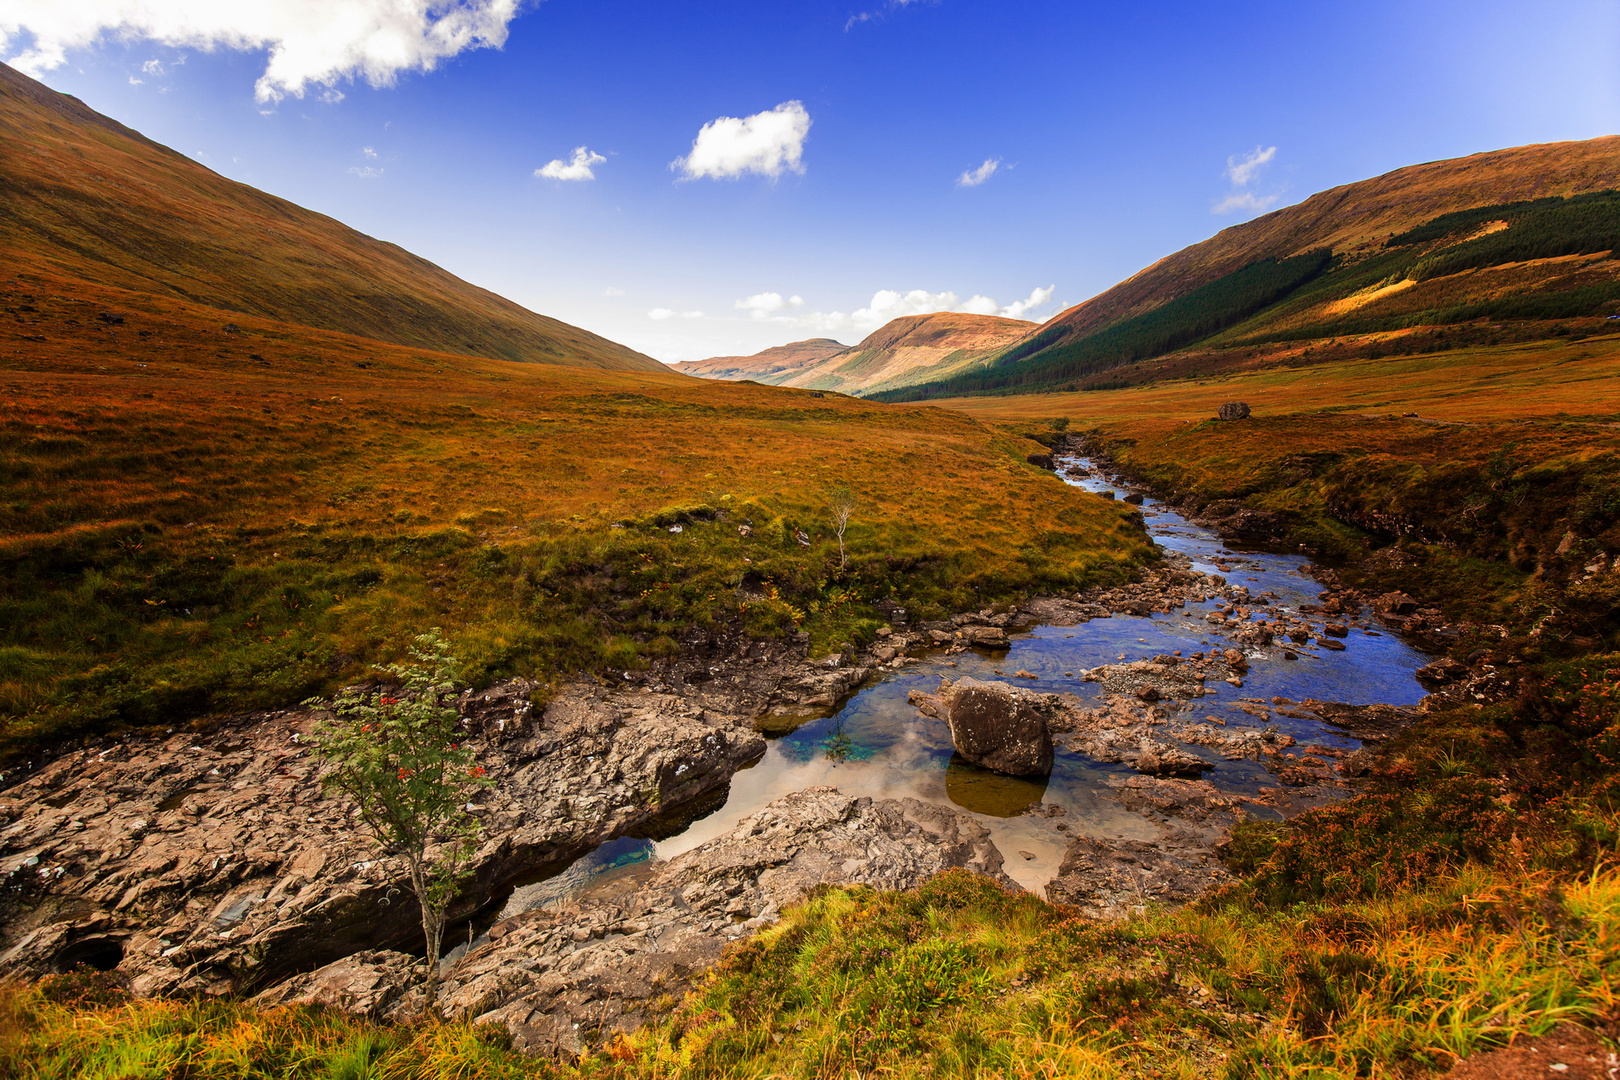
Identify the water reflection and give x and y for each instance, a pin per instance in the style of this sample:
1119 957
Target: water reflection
980 791
878 745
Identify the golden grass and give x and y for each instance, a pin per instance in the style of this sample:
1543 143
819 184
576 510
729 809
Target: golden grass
960 980
1541 380
184 483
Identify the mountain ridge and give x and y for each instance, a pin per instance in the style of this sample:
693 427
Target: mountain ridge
84 196
908 349
1407 260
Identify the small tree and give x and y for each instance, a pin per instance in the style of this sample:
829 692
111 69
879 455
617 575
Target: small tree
843 504
398 758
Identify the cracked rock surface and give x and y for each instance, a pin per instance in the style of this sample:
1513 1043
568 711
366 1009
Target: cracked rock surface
212 862
564 979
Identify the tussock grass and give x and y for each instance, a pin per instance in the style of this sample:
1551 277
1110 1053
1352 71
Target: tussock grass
201 516
959 979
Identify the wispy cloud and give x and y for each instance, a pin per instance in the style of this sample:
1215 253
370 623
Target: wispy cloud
975 177
612 290
659 314
867 16
1244 171
309 44
578 166
767 143
1245 200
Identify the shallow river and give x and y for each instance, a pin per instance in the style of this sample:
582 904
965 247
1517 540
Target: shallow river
879 745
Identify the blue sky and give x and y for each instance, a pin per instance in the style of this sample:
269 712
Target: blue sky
941 153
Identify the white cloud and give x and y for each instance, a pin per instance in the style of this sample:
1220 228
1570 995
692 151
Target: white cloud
888 304
1244 170
309 43
577 167
154 67
659 314
765 304
612 290
768 143
1244 200
369 152
1037 298
868 16
975 177
366 172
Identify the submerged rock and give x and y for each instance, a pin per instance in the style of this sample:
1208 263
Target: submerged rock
1000 727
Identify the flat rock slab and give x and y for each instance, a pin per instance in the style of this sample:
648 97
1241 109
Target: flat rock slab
1111 879
213 862
562 980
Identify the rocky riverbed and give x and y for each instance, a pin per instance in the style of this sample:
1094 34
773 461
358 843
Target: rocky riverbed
210 861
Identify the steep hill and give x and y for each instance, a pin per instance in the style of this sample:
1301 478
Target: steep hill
907 350
1504 235
82 196
773 366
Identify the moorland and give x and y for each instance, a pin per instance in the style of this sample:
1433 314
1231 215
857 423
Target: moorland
214 506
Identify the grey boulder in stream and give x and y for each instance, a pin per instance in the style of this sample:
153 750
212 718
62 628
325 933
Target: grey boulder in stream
1001 727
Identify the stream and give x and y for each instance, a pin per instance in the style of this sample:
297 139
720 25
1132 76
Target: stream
881 746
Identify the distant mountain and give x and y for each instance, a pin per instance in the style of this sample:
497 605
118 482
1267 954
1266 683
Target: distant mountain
1509 234
911 349
82 196
774 366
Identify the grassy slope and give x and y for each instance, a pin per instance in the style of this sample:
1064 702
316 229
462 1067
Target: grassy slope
204 514
83 197
1229 303
958 980
1360 216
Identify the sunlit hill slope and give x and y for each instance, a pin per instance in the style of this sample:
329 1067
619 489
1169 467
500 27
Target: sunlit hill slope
903 351
1503 246
82 196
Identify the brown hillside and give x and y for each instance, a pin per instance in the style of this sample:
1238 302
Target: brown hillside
773 366
1360 215
84 197
911 349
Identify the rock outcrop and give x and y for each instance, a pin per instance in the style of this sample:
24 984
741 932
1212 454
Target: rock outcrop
1000 727
212 862
562 980
1109 879
1234 410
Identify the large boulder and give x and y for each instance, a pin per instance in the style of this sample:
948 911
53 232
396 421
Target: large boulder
1000 727
1234 410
